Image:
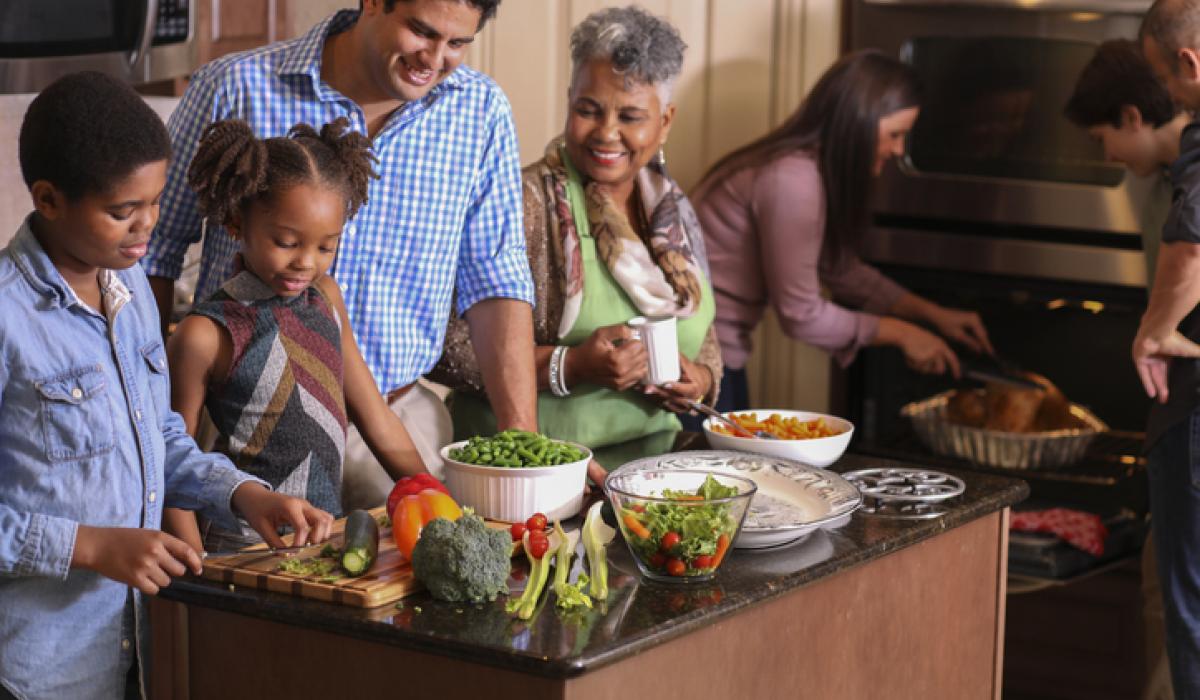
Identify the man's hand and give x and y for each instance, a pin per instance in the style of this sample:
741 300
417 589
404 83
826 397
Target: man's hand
1152 357
266 512
144 559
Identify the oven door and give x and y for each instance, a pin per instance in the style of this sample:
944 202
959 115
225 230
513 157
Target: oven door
135 40
991 142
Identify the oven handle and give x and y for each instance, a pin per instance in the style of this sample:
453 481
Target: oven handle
1103 7
147 36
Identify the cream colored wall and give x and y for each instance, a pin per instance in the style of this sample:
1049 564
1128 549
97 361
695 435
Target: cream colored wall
749 63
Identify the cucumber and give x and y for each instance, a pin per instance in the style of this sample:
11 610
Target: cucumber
362 543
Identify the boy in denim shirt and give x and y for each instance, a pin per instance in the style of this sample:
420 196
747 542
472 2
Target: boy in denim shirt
90 451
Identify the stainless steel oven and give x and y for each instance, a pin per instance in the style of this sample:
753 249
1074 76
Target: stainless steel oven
991 159
136 40
1000 204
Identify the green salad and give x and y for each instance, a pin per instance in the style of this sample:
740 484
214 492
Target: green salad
688 537
516 448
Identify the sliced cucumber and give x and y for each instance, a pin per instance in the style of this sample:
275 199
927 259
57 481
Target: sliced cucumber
362 543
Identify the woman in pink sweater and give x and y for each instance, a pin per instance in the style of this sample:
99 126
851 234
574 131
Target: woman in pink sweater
783 216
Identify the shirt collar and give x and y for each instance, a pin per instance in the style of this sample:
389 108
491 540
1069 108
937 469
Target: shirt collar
30 257
1189 152
304 57
39 271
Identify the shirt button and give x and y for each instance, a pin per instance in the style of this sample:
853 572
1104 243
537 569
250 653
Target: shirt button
125 644
153 496
76 393
345 287
137 414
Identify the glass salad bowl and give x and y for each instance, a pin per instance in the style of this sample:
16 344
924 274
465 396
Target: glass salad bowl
679 524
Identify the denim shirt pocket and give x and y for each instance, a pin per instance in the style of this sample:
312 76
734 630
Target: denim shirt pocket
160 388
77 420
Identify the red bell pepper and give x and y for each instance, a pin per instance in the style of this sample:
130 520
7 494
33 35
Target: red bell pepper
412 485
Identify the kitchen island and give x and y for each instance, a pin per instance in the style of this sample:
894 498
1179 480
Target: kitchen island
877 608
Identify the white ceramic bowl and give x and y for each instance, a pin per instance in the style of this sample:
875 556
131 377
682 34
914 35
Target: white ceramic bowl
818 452
512 494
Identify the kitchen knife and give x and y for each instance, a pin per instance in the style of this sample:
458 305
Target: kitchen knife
244 552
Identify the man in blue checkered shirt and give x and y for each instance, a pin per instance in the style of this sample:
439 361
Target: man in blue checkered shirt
442 224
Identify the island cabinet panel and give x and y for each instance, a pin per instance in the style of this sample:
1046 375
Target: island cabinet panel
924 621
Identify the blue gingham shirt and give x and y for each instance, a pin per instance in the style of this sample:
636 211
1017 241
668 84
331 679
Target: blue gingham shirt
443 220
87 437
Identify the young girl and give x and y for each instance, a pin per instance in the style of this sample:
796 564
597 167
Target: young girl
271 355
783 217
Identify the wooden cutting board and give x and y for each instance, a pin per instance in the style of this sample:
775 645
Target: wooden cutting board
390 578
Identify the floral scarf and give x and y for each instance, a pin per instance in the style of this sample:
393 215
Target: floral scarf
661 274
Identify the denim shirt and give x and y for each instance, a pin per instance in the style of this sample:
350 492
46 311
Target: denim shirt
87 436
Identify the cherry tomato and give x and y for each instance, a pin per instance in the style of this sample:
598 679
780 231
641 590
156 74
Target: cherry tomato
537 522
538 546
676 567
704 561
658 560
669 541
517 530
638 508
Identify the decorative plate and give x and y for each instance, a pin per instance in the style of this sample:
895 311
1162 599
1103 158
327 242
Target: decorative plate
793 499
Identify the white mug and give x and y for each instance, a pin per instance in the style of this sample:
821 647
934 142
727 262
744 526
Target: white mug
662 347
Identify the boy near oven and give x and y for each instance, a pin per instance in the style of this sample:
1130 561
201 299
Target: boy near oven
90 451
1121 104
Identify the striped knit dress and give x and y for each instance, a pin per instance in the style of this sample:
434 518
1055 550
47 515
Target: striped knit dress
280 413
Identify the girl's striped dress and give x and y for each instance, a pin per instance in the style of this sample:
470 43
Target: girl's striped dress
280 413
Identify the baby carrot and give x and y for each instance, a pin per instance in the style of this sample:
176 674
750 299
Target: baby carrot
722 547
636 527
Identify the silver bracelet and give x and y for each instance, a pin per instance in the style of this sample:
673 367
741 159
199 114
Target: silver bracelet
557 379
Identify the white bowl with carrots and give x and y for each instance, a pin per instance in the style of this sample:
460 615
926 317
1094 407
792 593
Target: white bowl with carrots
816 439
679 524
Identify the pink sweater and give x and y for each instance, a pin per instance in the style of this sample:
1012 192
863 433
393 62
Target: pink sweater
763 228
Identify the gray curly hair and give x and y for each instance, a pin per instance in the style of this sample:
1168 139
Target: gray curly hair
644 48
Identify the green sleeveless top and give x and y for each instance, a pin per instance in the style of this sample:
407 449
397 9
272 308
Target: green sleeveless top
619 426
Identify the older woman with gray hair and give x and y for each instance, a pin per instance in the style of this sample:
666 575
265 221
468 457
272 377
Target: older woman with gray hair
610 237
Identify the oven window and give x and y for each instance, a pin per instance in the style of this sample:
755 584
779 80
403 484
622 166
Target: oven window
49 28
993 107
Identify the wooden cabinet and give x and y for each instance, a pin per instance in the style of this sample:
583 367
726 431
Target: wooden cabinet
226 26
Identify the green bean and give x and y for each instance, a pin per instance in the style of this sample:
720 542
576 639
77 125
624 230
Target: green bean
516 448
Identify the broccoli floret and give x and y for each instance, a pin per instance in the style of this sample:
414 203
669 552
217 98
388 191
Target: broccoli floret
462 561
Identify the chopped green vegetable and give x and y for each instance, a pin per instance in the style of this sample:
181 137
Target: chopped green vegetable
321 567
516 448
596 536
463 560
417 609
571 595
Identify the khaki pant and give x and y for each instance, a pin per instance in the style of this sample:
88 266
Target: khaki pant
365 484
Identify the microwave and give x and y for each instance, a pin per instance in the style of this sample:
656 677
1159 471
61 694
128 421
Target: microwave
135 40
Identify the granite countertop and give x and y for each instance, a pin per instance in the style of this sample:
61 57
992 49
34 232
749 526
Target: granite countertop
639 614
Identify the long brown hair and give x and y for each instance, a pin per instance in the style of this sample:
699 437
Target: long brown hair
837 124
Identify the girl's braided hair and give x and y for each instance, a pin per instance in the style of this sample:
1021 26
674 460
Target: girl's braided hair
233 167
